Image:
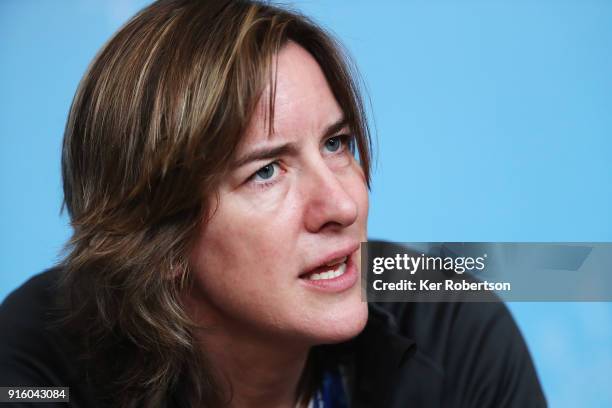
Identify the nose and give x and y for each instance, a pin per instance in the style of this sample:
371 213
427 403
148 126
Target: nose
328 202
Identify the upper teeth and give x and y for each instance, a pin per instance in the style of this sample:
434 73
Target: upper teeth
334 273
337 261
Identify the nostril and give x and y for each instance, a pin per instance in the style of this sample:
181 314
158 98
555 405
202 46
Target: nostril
332 225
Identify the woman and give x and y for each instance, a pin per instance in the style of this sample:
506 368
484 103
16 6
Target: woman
209 173
218 206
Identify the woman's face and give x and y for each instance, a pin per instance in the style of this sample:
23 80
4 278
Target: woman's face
295 201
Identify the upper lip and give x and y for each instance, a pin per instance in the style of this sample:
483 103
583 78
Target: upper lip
338 254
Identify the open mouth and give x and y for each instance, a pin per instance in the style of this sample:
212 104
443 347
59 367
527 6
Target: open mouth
331 270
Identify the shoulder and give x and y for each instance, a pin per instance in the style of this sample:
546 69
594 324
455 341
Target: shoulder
28 345
32 299
33 350
476 349
471 353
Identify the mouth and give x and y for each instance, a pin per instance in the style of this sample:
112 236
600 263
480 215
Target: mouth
330 270
333 273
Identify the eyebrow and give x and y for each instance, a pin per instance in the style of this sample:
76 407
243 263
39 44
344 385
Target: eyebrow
286 149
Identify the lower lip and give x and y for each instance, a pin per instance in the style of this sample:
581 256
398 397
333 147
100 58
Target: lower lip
341 283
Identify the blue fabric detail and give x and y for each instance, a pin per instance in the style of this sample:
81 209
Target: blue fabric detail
331 394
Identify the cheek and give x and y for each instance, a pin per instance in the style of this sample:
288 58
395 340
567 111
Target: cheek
364 203
357 188
240 242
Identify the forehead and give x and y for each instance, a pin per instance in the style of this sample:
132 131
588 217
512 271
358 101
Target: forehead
304 103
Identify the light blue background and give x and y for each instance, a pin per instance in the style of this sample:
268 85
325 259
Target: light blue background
494 121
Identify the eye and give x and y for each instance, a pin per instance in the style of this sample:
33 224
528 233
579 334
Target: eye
266 173
333 144
340 143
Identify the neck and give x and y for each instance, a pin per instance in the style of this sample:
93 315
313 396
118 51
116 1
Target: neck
256 373
252 369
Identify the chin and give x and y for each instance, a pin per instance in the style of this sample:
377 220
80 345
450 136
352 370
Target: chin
343 325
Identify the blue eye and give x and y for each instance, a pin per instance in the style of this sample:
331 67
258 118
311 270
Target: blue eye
333 143
266 172
340 144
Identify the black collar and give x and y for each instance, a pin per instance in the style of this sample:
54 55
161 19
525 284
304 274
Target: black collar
380 353
373 359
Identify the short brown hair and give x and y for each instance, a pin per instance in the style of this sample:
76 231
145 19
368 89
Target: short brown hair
153 125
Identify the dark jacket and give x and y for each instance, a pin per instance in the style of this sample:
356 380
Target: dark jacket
409 355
